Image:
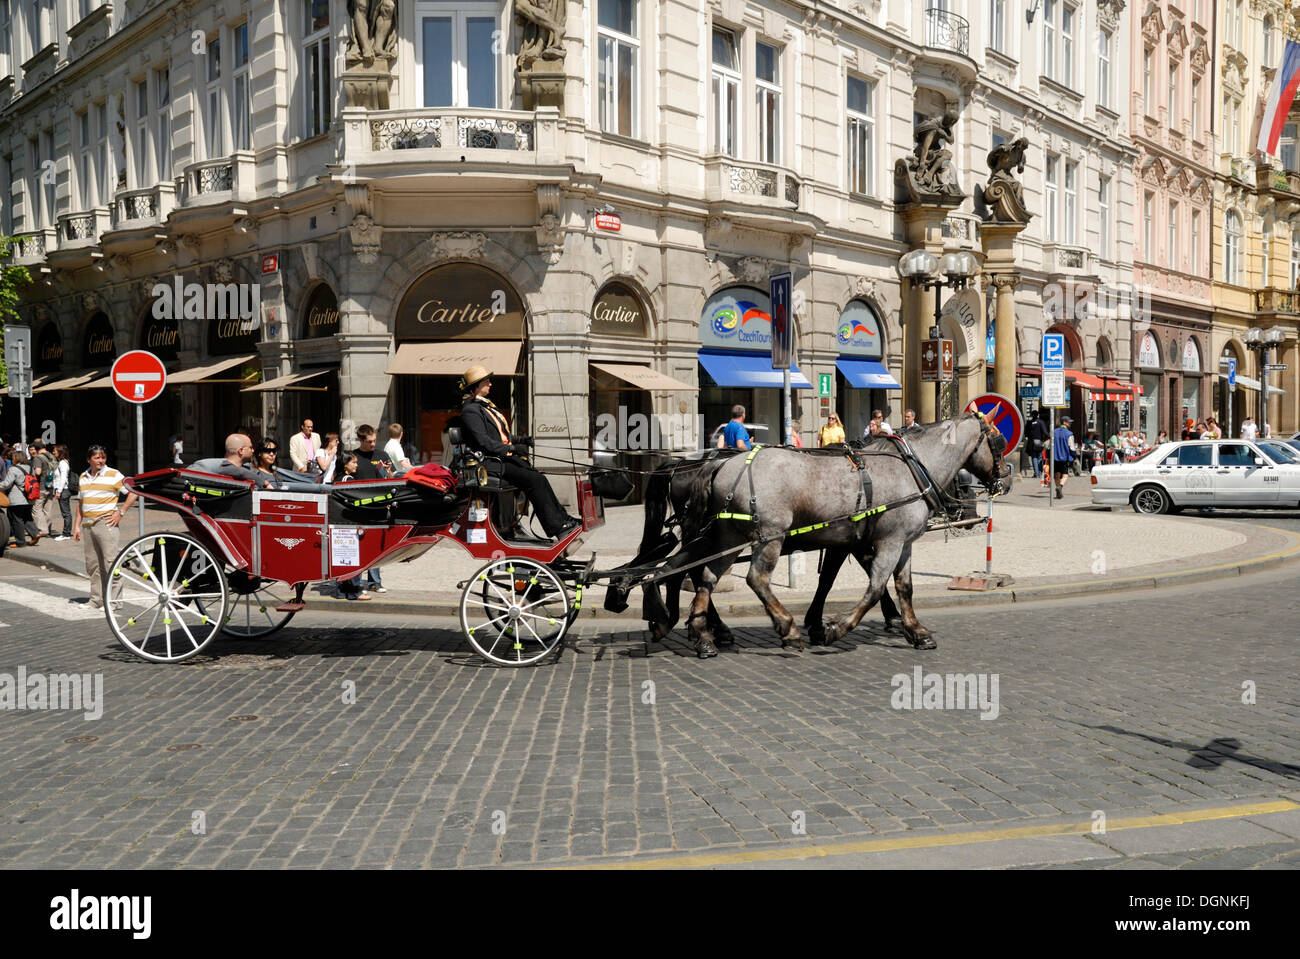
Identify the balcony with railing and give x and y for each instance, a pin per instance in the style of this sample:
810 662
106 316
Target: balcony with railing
728 180
143 208
222 180
1283 181
83 229
33 247
1065 258
947 43
493 144
1277 301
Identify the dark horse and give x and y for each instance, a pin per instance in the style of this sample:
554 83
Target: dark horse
776 500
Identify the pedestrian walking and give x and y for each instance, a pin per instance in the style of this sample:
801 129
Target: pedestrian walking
1036 437
43 464
63 491
735 436
1062 454
832 432
18 486
1249 429
97 519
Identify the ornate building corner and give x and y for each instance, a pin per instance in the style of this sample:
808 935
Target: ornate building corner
550 238
366 237
715 228
753 269
449 246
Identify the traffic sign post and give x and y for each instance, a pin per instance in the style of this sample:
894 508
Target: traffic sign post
1232 388
1001 414
138 377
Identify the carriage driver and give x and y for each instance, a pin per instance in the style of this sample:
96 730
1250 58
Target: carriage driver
488 433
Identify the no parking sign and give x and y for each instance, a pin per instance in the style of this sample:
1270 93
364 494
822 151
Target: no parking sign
1002 414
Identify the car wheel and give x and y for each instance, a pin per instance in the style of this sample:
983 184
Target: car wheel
1150 500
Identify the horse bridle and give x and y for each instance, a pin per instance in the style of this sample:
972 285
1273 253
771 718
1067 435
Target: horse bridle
994 486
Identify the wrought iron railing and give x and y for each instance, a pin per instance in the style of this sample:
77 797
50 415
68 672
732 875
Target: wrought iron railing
78 226
137 205
758 179
947 31
412 131
29 246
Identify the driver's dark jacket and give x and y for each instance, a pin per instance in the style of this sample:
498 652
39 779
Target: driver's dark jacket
480 434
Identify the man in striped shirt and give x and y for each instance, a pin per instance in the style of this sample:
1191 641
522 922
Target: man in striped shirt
98 514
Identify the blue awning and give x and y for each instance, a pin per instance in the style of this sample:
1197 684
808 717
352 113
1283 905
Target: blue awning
867 374
749 369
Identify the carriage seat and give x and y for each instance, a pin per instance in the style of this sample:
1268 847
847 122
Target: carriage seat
469 471
210 465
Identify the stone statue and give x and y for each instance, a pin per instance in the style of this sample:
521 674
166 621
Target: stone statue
543 30
928 173
371 25
1004 196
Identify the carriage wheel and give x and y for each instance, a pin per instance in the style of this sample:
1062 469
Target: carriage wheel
253 601
514 611
164 602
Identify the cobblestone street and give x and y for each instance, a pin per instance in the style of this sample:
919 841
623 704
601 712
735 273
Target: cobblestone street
620 749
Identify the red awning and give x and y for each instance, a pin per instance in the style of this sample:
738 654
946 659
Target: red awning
1110 388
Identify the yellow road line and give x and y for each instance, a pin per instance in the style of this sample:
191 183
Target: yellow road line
947 839
1183 572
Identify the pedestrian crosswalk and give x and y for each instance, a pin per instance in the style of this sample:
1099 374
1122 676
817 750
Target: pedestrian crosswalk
62 597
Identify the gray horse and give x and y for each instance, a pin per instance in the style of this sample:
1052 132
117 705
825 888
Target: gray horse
778 499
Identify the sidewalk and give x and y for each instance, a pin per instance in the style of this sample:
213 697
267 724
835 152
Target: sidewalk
1067 548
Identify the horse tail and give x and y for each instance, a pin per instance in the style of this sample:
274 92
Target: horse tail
656 507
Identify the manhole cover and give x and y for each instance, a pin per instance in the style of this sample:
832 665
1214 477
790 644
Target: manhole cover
182 747
242 719
82 739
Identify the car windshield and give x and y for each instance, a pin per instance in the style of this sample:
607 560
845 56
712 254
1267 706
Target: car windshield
1280 452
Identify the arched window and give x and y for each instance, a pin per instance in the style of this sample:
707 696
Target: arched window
1104 361
1232 248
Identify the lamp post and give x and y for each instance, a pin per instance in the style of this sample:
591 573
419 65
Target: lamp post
921 268
1262 341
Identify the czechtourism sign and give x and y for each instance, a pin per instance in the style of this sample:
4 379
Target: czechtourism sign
737 318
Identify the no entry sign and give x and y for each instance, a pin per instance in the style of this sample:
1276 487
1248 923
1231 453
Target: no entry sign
1002 414
138 376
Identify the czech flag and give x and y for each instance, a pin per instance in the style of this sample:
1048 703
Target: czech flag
1285 84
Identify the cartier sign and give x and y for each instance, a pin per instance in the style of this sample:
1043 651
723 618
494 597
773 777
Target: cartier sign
460 301
232 336
321 314
161 337
617 310
49 350
99 346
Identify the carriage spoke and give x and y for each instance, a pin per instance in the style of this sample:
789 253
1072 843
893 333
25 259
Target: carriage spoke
162 551
153 590
180 564
181 622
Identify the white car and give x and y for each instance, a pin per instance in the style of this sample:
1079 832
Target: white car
1202 473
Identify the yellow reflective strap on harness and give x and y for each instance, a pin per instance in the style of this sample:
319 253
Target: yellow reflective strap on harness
871 512
752 453
741 516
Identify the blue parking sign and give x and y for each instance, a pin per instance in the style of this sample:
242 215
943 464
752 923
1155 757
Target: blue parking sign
1232 372
1053 351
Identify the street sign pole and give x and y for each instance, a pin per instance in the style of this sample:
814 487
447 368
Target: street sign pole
23 366
1048 464
139 455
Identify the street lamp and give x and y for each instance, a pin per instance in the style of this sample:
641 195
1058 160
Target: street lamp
921 268
1261 341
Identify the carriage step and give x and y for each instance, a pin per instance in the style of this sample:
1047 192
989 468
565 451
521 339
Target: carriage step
290 607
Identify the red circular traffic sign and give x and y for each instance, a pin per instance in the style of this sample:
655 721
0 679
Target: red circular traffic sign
138 376
1002 414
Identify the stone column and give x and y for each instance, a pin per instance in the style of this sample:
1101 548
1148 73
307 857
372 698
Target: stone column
1000 264
923 228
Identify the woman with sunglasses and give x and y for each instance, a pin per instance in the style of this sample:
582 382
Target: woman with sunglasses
264 459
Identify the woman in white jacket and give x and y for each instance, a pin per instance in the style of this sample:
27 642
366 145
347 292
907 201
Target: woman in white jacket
61 491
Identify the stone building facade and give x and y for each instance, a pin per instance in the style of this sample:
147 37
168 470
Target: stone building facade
601 234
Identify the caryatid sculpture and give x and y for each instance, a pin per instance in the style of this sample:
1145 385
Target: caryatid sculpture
543 30
373 34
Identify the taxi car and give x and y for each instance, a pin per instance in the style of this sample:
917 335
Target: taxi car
1203 473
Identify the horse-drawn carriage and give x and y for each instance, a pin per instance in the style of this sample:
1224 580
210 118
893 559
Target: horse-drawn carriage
234 570
231 572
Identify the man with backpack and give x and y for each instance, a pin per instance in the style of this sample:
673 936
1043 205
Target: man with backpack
21 486
43 466
1036 436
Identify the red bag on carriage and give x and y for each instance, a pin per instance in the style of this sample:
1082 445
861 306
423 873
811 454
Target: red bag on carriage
434 476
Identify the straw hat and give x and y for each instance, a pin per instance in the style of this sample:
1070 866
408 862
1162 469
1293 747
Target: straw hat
476 375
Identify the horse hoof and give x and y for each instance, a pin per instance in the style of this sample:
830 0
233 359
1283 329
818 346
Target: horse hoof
816 636
920 639
833 632
705 650
793 638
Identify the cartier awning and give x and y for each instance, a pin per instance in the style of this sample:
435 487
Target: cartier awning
212 369
642 377
71 382
454 357
285 382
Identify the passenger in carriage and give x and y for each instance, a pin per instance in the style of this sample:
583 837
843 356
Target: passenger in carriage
488 434
238 449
